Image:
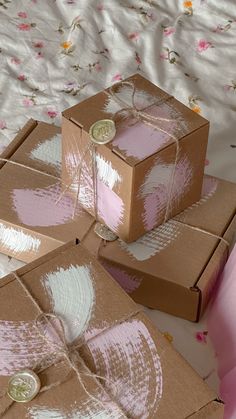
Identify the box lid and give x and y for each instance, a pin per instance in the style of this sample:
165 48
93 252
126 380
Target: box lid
135 141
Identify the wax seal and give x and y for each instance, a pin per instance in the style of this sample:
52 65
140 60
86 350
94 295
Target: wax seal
102 131
104 232
23 386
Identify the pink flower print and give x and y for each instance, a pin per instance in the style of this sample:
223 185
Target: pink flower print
38 44
201 337
24 27
117 77
3 124
207 162
51 112
164 56
21 77
168 31
15 60
27 102
203 45
133 36
23 15
138 59
98 67
100 8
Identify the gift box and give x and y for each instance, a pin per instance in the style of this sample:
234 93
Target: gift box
152 167
175 267
16 142
32 223
94 353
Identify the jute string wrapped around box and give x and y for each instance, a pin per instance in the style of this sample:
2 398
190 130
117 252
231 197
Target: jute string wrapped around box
138 115
63 350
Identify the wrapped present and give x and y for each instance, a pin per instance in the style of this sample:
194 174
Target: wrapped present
175 267
32 223
133 156
73 344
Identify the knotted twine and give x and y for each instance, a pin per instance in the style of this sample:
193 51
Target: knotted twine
138 115
63 350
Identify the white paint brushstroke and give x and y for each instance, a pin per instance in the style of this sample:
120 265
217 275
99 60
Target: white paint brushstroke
106 172
156 188
72 297
142 99
127 357
17 241
152 242
88 409
49 151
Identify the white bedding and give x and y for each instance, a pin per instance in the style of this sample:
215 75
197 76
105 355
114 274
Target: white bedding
54 53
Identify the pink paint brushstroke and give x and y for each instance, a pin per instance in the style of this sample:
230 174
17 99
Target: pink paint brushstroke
128 282
130 346
140 140
38 207
20 346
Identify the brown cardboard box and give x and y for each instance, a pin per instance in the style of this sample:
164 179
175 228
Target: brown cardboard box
31 223
142 375
17 141
136 172
174 268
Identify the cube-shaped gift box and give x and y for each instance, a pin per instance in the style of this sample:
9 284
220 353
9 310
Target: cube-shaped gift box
73 344
151 168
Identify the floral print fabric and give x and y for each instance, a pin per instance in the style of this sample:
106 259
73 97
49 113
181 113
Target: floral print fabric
56 53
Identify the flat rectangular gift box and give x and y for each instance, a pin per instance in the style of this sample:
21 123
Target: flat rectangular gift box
139 179
99 356
31 222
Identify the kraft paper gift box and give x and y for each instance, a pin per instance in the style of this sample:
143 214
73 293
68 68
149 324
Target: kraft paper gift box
175 267
31 222
137 183
124 368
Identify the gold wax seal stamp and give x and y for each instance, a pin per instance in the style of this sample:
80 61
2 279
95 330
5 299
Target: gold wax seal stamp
23 386
102 131
104 232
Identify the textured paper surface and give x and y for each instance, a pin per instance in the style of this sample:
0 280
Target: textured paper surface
141 158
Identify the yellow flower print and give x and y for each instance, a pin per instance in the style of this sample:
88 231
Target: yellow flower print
188 4
66 44
196 109
193 103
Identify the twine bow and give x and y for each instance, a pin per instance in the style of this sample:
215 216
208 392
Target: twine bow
60 349
137 114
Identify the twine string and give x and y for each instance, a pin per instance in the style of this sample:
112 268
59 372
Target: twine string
62 349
